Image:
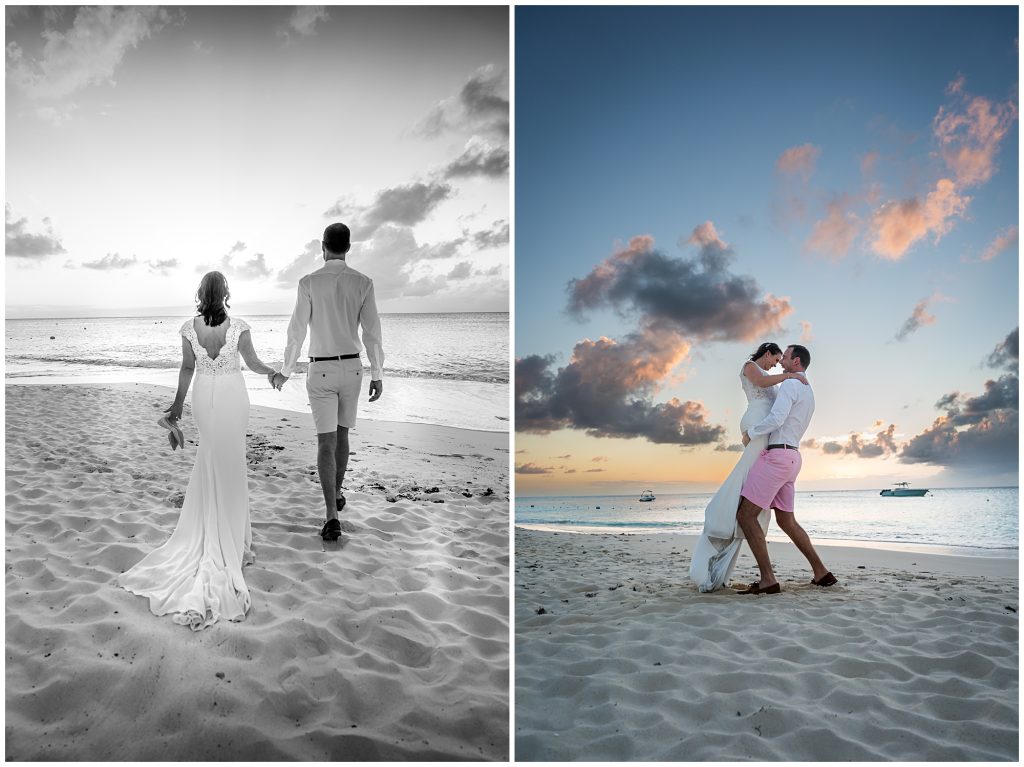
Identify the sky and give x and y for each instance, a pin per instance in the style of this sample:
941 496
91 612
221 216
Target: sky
147 145
691 182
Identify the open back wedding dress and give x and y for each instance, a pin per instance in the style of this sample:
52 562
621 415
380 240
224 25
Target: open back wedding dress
719 543
197 574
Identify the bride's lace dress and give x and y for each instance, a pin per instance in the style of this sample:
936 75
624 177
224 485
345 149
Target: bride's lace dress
719 543
197 574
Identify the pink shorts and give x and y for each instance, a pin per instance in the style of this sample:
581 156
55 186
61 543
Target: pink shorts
769 484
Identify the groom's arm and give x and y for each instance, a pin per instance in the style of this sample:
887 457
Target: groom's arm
297 329
369 321
780 410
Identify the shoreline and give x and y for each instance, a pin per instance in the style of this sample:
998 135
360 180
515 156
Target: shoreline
909 657
430 396
895 546
391 644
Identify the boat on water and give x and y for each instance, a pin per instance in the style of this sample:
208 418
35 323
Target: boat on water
646 495
903 490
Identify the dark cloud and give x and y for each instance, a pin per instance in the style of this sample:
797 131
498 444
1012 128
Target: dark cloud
918 318
881 443
310 259
595 471
19 243
734 448
111 261
460 271
406 205
697 297
479 159
981 432
532 468
491 238
607 390
482 106
1007 353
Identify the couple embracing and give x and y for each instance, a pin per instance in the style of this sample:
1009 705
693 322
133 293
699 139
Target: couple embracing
779 409
196 576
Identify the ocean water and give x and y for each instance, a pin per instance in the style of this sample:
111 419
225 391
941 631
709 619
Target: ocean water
450 369
981 520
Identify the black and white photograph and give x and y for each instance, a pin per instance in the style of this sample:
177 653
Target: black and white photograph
257 383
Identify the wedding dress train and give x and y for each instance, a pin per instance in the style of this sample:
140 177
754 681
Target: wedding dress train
719 543
197 574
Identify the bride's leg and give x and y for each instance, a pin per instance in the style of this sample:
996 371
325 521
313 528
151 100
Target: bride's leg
748 518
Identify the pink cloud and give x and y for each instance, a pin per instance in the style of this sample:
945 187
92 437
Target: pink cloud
705 235
898 225
970 134
834 235
805 332
1006 239
798 160
868 162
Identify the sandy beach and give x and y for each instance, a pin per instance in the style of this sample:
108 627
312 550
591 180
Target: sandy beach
912 656
392 645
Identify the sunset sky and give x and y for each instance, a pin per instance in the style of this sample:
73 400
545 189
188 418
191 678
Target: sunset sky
692 181
148 145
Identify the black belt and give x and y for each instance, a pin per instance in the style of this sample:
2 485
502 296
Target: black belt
779 447
335 357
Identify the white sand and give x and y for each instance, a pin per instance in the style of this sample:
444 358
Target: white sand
911 656
393 645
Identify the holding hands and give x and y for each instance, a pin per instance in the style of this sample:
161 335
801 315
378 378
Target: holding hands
276 379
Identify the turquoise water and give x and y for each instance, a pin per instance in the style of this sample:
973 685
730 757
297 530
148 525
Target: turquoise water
976 518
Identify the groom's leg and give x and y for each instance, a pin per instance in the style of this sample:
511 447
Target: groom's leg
787 521
747 515
341 459
326 449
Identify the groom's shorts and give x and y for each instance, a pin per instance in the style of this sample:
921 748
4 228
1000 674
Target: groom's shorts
333 388
770 482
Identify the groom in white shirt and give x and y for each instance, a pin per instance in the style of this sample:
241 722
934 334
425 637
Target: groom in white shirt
332 302
770 483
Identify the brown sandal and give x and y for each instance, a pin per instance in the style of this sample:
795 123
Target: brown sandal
826 580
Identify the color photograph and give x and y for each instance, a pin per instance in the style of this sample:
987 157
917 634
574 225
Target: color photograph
256 381
766 383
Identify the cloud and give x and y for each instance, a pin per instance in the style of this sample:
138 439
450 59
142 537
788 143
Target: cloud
494 237
88 53
111 261
304 19
19 243
461 271
696 297
56 116
898 225
482 107
532 468
868 162
163 267
834 235
1007 352
406 205
917 319
734 448
970 133
392 257
594 471
309 260
1006 239
607 390
798 160
805 332
599 458
479 159
254 269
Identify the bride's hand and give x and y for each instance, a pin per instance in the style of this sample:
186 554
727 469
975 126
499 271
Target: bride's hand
175 411
799 377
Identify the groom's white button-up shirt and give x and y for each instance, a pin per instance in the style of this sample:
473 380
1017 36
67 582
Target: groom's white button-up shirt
334 301
790 415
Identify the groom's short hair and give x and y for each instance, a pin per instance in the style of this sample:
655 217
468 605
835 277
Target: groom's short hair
337 238
801 353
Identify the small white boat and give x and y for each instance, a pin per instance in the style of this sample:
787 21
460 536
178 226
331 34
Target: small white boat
903 490
646 495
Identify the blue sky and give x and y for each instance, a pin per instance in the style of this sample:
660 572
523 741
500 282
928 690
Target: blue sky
147 145
856 169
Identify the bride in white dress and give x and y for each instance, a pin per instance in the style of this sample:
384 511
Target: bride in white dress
719 543
197 574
